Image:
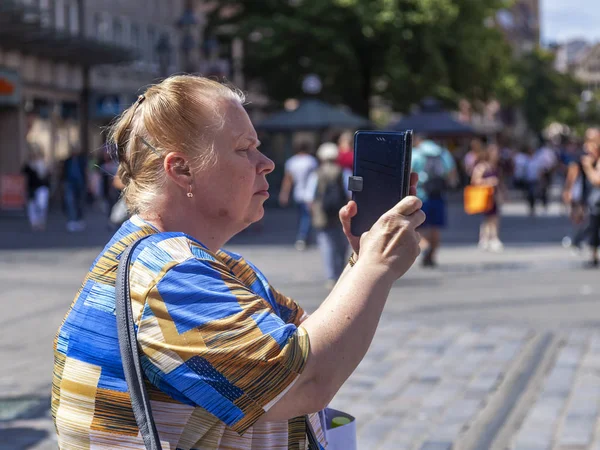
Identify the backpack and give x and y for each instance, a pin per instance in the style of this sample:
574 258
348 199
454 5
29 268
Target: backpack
334 197
435 184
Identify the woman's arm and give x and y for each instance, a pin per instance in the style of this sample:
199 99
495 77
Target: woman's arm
342 328
286 187
572 174
479 180
591 170
477 175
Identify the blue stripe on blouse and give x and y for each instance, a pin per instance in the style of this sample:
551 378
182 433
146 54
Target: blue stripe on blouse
194 297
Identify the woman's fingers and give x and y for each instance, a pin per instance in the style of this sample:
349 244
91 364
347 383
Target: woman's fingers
407 206
346 215
414 179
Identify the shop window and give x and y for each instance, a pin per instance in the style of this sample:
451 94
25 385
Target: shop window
59 14
72 13
135 36
118 31
101 27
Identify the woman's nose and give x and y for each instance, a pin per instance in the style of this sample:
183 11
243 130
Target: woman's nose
265 165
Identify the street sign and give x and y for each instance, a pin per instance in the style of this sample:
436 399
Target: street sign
12 192
10 87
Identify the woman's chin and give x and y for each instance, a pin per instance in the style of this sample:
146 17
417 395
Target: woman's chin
255 216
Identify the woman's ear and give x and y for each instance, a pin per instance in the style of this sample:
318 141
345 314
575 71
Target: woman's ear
177 168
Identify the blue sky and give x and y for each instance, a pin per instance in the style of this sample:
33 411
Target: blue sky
566 19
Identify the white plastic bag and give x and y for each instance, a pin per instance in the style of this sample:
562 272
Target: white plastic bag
342 437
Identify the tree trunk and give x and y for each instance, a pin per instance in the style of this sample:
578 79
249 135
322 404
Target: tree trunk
363 103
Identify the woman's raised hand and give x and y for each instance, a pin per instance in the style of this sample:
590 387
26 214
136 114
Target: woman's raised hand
392 244
351 209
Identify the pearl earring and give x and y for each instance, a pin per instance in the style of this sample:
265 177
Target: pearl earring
190 194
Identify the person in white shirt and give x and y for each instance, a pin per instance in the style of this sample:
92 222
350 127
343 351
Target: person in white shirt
297 172
539 175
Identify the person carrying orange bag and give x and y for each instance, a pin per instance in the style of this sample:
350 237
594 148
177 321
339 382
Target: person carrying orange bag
482 197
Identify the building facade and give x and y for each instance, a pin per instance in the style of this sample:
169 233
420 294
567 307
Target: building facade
68 67
150 29
521 24
587 68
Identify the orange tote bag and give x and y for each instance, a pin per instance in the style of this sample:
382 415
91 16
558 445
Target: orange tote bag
478 199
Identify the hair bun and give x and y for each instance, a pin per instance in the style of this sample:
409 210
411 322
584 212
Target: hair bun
124 174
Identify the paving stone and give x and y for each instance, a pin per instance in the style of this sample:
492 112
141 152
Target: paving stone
594 343
569 357
559 381
546 411
445 433
579 338
582 406
429 375
375 431
440 397
406 437
461 411
534 437
591 361
483 383
506 352
415 392
576 433
436 445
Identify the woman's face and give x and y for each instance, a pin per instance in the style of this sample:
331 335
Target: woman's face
234 189
592 148
493 154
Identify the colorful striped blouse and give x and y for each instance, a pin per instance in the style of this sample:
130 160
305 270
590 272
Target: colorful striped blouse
219 347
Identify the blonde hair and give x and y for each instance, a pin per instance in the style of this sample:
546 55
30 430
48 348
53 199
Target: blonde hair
182 113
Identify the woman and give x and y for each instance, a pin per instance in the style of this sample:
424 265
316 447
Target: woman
486 173
574 196
590 164
231 362
346 151
37 177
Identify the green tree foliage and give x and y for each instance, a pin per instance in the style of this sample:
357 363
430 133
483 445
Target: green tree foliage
403 50
544 94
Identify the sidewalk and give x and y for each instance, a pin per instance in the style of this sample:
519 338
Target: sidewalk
489 351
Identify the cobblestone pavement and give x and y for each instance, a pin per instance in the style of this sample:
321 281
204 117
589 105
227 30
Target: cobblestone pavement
565 412
421 387
489 351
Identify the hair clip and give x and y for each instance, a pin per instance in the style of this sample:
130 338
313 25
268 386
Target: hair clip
141 98
147 144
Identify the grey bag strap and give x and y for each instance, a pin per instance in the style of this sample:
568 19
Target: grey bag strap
130 356
132 365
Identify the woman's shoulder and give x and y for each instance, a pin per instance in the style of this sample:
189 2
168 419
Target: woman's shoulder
160 250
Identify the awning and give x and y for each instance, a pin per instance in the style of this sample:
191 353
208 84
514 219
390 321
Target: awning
21 29
433 121
313 114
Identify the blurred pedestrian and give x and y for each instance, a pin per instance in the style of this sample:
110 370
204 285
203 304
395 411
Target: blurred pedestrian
118 212
74 184
487 173
37 178
327 194
437 172
297 171
506 164
471 157
520 164
539 175
590 164
227 361
109 194
575 191
346 150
